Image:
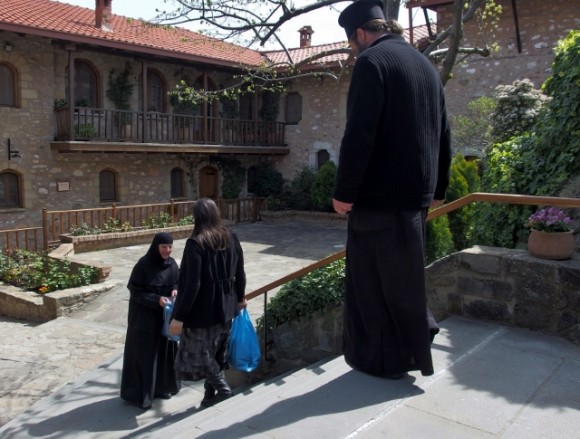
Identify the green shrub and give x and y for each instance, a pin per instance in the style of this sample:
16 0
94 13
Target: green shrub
538 162
307 296
299 197
464 180
507 170
517 110
186 220
84 230
439 239
472 131
84 131
559 127
269 182
160 221
234 177
323 186
35 271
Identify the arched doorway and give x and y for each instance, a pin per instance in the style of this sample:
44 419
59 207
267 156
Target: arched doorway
208 182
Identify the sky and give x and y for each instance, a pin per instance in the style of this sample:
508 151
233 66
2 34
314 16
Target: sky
324 22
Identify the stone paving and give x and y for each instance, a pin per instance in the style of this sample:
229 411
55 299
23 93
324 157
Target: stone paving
37 359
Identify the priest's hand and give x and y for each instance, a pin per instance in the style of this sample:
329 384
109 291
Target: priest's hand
175 327
340 207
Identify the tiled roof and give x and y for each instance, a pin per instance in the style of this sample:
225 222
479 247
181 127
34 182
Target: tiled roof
301 53
53 19
73 23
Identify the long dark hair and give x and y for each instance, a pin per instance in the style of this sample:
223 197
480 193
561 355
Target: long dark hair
208 227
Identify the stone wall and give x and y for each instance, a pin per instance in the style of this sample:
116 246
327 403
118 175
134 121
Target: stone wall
508 287
41 68
322 124
542 23
504 286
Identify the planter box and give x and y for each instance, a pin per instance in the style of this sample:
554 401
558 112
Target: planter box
28 305
303 215
104 241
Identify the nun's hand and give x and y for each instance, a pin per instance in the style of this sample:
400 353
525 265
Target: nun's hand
164 301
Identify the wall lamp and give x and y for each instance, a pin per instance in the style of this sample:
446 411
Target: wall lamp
8 47
12 153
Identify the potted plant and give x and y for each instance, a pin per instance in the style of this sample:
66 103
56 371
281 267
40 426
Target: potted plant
119 92
229 111
551 234
268 112
183 108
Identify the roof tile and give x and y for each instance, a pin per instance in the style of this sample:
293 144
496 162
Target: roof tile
55 18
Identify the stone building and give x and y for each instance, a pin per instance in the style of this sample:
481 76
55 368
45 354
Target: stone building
87 120
71 138
526 34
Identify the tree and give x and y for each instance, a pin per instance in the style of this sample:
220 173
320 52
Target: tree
256 21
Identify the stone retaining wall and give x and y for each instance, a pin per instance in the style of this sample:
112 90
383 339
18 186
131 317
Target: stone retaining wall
28 305
510 287
504 286
105 241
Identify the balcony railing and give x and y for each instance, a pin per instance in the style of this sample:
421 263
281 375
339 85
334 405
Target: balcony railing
99 125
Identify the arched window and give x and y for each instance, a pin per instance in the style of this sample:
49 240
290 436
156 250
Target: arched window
7 86
86 85
322 157
10 190
156 92
177 183
107 186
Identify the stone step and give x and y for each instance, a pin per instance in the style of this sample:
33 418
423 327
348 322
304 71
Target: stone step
485 373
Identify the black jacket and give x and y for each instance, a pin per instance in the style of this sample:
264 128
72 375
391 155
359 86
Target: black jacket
396 150
210 285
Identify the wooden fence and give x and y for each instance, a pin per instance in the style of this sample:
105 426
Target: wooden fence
60 222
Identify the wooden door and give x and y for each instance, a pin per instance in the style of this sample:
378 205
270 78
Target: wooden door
208 182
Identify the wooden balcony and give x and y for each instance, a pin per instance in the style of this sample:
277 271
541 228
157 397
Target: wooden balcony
100 130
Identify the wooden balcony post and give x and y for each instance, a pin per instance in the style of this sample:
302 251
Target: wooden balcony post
172 209
45 229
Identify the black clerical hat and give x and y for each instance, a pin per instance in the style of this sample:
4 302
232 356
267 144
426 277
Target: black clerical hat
358 13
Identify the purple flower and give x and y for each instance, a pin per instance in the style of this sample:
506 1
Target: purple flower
549 220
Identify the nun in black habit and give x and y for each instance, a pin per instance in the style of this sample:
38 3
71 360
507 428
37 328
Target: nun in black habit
149 356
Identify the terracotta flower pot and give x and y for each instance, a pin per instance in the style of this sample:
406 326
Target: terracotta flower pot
551 245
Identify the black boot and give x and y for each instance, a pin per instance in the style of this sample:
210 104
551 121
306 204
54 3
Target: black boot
208 394
218 383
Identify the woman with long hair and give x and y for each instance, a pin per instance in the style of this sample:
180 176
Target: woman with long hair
211 287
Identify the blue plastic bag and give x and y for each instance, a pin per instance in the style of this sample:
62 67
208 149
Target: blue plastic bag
166 320
243 350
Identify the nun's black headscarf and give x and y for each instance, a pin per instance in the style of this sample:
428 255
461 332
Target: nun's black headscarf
153 253
152 264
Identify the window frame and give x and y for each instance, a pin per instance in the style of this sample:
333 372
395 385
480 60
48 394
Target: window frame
6 195
115 185
13 79
177 171
294 105
80 100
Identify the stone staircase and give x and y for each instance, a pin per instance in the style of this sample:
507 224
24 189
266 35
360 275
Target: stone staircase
491 381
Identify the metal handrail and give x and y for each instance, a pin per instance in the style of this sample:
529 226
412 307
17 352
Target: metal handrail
435 213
